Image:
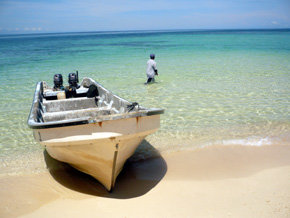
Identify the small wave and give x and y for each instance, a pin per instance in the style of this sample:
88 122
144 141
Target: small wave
254 141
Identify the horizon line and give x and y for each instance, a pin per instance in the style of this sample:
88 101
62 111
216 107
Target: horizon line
156 30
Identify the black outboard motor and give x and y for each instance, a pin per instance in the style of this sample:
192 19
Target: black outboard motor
58 82
73 79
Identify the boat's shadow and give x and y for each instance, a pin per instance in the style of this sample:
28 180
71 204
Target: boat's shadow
136 178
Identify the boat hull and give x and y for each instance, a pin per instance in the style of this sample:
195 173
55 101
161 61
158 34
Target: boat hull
98 149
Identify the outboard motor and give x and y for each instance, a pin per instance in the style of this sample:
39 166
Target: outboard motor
58 82
73 79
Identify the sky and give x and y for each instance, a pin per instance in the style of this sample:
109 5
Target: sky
42 16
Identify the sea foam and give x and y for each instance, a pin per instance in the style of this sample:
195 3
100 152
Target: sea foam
251 141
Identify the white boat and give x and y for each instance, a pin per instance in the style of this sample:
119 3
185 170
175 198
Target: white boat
89 127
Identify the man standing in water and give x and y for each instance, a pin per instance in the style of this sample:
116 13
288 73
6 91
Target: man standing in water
151 69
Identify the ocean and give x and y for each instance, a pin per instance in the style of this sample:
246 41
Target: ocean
218 87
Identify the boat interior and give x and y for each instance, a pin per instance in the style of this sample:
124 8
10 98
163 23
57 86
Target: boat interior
57 104
88 102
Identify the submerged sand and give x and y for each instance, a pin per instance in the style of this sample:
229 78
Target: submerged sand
216 181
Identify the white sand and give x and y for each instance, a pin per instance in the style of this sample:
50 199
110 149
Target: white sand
221 181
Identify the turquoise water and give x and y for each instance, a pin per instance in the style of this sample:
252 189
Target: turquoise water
217 87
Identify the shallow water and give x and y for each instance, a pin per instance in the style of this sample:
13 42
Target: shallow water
217 87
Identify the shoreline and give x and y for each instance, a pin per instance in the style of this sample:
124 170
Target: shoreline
215 181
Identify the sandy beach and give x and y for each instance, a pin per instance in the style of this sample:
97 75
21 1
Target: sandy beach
216 181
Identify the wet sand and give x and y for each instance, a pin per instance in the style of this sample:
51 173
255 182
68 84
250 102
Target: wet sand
217 181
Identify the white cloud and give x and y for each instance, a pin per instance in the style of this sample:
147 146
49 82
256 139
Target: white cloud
31 29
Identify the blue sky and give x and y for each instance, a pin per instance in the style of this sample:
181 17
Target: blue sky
27 16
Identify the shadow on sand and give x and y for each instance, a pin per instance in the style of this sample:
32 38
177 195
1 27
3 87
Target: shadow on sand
136 178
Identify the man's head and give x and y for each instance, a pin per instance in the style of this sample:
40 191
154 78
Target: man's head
152 56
